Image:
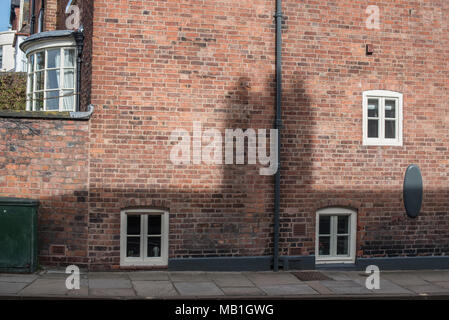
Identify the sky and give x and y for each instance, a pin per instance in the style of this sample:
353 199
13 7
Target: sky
5 6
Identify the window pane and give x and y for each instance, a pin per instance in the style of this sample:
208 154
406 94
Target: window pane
343 224
31 63
39 97
324 246
53 79
342 245
40 80
154 225
69 79
390 109
40 60
30 102
68 102
325 225
154 246
133 225
30 83
53 58
373 128
390 129
373 108
52 100
133 247
69 58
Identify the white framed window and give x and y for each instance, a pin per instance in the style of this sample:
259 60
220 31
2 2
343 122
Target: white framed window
382 118
144 238
52 79
335 235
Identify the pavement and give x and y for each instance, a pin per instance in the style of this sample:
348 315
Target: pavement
226 285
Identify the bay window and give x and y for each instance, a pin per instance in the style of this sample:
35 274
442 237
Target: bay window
51 80
52 70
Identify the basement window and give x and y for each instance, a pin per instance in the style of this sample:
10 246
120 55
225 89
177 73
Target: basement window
382 118
335 235
144 238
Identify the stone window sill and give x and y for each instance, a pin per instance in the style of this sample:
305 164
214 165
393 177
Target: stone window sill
49 115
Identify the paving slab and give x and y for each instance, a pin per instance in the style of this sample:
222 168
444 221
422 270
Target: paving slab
109 283
61 275
8 288
341 283
336 275
25 278
198 289
346 286
154 288
404 278
350 290
434 276
44 287
149 275
242 291
388 287
271 278
430 288
356 275
81 292
115 292
227 279
107 275
288 289
318 287
188 276
444 284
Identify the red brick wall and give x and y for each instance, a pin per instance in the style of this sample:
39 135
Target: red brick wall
325 72
160 65
86 11
50 15
47 160
15 21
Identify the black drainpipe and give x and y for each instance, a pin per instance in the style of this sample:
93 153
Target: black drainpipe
278 125
79 38
33 16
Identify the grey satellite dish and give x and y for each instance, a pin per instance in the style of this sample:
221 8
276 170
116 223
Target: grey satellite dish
413 191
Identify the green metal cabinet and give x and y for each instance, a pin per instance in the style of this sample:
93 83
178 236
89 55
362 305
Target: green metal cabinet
18 235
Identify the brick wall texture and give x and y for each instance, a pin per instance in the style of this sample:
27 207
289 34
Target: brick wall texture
160 65
47 160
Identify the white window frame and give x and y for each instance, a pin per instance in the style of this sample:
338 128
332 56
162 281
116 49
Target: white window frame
143 260
31 87
382 95
336 211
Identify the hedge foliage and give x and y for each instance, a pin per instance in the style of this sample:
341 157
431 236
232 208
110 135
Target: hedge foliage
13 91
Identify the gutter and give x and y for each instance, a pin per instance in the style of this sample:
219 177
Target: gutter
79 38
33 16
278 125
